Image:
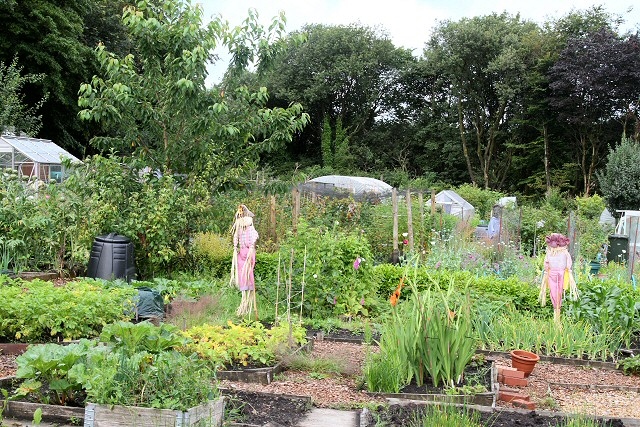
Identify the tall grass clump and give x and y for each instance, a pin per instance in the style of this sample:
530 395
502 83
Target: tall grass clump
507 330
445 416
431 333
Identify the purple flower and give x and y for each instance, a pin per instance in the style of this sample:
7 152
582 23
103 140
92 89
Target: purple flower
362 301
356 263
334 300
438 264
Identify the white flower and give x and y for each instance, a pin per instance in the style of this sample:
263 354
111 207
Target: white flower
315 276
405 234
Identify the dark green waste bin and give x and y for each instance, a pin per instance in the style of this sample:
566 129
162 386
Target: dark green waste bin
618 248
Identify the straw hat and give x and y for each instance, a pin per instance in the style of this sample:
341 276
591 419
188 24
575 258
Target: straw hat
557 240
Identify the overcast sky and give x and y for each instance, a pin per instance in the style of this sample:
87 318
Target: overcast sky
407 22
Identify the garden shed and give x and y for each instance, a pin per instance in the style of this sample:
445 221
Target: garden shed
359 187
33 157
453 204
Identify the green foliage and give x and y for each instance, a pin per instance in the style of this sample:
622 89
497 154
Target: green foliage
324 260
609 309
166 380
433 335
620 179
159 105
630 365
244 345
14 113
385 371
538 223
82 308
212 252
445 416
158 213
590 207
521 295
44 370
326 144
505 330
120 372
130 338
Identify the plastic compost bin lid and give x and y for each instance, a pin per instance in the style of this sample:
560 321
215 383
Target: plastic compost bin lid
113 238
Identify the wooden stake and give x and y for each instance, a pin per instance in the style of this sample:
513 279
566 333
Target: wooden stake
272 220
277 291
304 271
395 256
410 220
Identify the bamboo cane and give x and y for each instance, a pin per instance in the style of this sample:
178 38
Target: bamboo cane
304 270
277 291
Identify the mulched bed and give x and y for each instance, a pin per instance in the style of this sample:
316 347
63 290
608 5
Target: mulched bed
404 415
258 408
8 365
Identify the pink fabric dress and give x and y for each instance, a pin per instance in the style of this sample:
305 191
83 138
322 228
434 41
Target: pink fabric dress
247 258
556 266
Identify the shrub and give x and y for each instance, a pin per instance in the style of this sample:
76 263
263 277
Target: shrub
620 179
325 259
212 253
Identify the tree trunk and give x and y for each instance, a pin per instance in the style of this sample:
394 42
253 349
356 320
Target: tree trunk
547 171
463 138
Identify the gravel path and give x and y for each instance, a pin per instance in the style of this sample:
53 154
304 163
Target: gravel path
593 391
7 365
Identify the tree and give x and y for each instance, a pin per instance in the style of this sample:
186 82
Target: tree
158 107
480 65
47 36
14 112
595 83
343 76
620 179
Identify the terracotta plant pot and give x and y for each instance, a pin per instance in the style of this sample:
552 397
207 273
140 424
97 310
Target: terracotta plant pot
524 361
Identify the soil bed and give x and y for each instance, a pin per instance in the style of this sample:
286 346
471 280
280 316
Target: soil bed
258 408
404 415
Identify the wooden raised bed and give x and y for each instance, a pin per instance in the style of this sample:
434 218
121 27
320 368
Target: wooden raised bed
559 360
50 413
482 399
209 414
259 375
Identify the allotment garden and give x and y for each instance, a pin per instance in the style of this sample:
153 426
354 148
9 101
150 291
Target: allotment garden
336 325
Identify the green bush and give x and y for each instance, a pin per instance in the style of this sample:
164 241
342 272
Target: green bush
620 179
325 258
212 253
521 295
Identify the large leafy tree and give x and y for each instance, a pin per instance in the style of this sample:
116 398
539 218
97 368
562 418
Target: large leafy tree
481 66
156 104
55 39
595 85
343 75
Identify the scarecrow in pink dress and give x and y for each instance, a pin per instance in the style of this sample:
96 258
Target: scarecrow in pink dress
244 259
558 276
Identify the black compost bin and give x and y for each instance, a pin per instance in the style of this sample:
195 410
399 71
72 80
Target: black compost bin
112 258
618 248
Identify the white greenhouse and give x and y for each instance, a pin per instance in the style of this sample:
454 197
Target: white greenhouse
358 187
33 158
453 204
